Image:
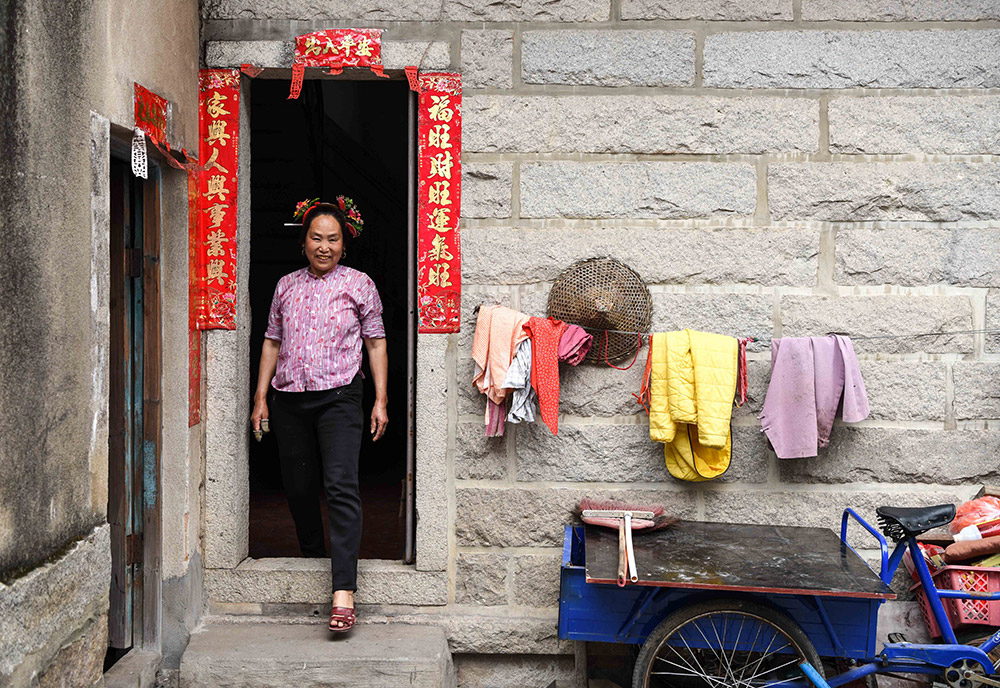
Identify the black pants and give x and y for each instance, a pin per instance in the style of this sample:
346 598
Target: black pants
319 434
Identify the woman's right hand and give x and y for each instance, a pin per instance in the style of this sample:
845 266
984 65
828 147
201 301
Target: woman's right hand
260 413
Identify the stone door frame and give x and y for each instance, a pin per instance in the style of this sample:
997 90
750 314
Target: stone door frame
232 577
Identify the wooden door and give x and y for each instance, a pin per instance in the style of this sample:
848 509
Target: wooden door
125 404
133 400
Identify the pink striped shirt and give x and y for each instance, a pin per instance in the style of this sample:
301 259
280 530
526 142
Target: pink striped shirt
320 322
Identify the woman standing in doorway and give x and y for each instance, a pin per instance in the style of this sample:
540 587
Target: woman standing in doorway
312 361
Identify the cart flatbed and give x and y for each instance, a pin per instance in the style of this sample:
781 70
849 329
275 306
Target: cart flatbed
789 560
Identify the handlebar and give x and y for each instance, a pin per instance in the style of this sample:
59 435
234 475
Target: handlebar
883 545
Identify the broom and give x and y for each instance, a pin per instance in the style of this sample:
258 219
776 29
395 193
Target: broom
624 518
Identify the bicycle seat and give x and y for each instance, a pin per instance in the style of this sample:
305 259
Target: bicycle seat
903 522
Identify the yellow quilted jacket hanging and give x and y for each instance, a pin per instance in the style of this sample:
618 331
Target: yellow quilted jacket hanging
691 388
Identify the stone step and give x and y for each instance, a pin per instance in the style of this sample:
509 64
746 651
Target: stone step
263 655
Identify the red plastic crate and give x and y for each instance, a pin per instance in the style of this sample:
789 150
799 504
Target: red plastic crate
962 613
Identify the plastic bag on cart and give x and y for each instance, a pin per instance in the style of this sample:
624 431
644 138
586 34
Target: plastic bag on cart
933 555
976 512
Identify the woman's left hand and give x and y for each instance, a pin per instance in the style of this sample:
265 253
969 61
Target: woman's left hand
379 420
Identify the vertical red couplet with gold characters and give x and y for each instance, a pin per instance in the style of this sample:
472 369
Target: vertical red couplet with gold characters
439 203
215 273
336 49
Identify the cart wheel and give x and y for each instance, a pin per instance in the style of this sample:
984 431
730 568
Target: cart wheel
724 643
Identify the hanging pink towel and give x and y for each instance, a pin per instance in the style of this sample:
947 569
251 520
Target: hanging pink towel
574 345
809 378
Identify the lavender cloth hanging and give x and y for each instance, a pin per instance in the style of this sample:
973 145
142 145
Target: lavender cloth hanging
810 376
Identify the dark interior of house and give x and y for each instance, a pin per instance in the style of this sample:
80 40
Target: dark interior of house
350 138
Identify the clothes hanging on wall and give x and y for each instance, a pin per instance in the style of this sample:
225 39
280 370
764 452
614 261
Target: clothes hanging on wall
499 331
692 382
810 378
545 334
495 418
574 345
522 395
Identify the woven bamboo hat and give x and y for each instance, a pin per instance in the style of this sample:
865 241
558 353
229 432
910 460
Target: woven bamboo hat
601 294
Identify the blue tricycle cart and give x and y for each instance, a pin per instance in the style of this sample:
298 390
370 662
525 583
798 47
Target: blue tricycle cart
721 605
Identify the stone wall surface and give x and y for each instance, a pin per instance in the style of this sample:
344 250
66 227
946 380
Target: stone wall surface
66 100
771 168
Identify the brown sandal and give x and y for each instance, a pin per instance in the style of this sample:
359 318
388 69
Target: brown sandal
344 615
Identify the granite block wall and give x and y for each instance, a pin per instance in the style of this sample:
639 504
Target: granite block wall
771 168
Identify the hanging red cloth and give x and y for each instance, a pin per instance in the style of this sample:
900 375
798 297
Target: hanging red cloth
742 383
545 334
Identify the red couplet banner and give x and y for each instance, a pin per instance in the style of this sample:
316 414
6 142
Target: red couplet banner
439 203
215 256
336 49
150 113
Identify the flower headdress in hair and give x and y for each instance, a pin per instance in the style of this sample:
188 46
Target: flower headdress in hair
355 225
304 207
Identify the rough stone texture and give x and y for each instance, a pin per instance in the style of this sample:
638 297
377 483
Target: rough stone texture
890 455
536 579
758 378
819 509
226 398
259 53
477 456
486 189
619 453
137 669
726 10
912 257
639 124
977 389
481 579
766 256
265 655
905 390
530 517
399 54
100 313
472 296
422 10
736 315
595 390
431 484
922 124
487 60
852 192
853 59
80 662
300 581
993 321
803 316
596 453
395 54
46 609
899 10
506 635
517 671
668 190
608 58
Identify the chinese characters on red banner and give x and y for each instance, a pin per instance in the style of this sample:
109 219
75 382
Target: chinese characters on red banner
215 274
150 113
336 49
439 269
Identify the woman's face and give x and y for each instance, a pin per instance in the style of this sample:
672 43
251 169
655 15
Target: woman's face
324 244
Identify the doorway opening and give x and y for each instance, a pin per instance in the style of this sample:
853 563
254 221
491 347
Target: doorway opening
351 138
134 416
